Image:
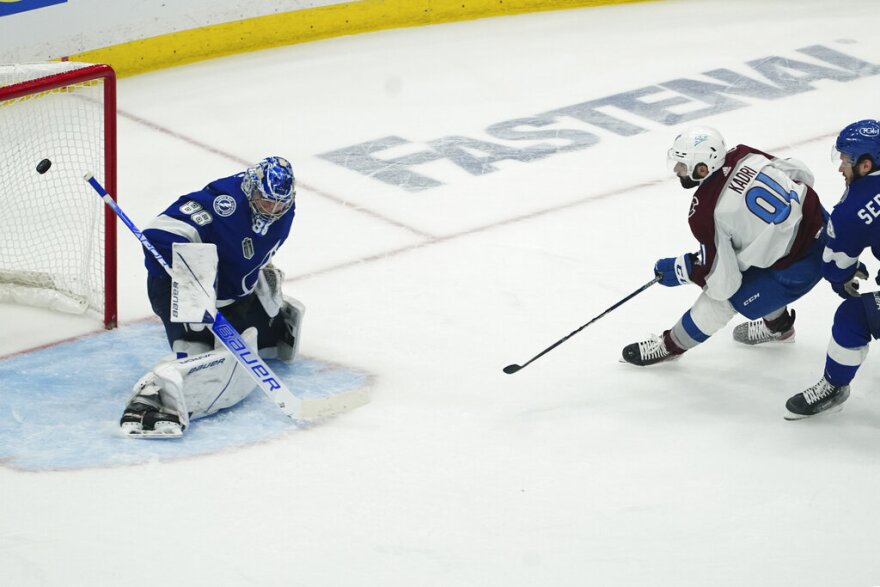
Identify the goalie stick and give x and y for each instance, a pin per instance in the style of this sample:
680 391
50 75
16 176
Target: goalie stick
265 378
511 369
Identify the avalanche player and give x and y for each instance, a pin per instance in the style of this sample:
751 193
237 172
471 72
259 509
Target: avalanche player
221 240
851 229
760 229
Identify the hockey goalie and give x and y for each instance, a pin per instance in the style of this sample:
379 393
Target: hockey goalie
220 242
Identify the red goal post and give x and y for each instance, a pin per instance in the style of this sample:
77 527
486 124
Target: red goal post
57 240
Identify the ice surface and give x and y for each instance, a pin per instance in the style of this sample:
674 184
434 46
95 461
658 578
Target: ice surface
576 471
61 405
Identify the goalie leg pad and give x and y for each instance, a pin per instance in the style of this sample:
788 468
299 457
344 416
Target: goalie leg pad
288 344
208 382
177 391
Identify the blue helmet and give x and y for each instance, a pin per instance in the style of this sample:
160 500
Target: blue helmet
858 139
270 187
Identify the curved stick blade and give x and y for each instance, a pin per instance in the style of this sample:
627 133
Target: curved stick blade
511 369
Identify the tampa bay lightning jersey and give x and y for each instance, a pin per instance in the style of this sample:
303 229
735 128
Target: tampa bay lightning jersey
853 227
220 214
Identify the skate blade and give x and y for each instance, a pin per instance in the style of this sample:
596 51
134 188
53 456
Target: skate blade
153 434
788 340
792 417
669 360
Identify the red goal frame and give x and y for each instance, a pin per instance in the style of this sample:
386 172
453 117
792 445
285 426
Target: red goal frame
60 80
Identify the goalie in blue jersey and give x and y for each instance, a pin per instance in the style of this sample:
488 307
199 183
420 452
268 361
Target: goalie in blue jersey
219 242
854 226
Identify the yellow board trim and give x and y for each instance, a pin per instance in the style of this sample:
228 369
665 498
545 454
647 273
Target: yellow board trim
306 25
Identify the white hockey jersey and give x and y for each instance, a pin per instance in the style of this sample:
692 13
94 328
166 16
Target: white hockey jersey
752 213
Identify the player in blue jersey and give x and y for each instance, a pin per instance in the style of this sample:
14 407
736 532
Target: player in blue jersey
220 239
853 227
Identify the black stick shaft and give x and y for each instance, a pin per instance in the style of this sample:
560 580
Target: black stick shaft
510 369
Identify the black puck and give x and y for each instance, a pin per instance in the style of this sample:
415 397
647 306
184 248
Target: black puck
43 166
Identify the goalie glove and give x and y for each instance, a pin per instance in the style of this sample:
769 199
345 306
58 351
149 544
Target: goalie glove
268 289
850 287
674 271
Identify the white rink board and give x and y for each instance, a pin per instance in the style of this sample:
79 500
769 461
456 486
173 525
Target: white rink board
77 26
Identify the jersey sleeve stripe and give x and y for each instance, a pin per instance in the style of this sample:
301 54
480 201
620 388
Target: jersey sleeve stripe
174 226
840 260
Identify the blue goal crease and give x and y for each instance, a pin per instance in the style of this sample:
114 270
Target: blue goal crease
60 406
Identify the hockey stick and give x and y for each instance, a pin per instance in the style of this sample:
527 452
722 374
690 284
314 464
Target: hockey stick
268 382
511 369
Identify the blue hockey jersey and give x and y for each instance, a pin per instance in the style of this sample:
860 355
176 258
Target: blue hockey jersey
853 227
220 214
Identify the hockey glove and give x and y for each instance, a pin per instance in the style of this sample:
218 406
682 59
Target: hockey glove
674 271
850 287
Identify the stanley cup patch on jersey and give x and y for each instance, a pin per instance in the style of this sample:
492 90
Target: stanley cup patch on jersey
247 248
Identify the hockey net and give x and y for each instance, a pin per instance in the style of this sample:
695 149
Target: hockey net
57 238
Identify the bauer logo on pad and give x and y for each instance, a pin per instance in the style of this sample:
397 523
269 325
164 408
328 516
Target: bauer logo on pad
14 6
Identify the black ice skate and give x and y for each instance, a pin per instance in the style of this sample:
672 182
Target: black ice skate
144 420
760 331
132 419
822 397
650 352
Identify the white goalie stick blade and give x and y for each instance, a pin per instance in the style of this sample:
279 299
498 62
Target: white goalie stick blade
334 405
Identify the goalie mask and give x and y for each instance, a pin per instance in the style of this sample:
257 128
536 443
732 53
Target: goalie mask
700 144
859 139
270 187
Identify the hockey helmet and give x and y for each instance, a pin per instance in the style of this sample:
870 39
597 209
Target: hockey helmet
270 186
857 140
699 144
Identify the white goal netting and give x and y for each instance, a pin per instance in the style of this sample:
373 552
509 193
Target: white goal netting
53 233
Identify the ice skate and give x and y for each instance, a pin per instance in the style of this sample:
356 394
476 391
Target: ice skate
822 397
649 352
760 331
143 418
132 419
161 424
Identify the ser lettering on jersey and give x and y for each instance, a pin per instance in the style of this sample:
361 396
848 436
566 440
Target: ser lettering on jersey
870 210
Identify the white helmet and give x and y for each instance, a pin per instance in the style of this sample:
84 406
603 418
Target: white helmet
700 144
